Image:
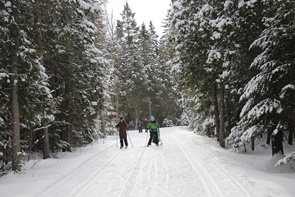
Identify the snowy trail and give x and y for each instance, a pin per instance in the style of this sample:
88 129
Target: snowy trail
216 180
140 171
183 166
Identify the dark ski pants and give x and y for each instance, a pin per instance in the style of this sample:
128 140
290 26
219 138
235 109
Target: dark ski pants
140 129
125 140
153 135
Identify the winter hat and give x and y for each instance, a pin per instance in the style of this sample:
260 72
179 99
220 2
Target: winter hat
121 118
152 118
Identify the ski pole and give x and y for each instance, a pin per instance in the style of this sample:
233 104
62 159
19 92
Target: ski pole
147 133
129 138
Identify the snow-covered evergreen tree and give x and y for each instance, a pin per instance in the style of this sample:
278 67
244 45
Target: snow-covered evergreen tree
269 95
131 66
56 76
211 42
23 63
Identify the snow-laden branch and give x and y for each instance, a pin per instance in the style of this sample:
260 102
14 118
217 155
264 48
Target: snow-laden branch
289 158
41 128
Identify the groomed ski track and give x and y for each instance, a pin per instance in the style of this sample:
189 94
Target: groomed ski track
181 167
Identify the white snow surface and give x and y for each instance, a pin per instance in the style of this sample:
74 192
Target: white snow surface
185 165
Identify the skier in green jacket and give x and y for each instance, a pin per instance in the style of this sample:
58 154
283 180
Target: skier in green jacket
154 128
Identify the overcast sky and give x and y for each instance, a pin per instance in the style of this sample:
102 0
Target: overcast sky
145 11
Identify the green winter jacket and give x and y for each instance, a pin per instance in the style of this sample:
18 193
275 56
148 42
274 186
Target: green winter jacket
153 126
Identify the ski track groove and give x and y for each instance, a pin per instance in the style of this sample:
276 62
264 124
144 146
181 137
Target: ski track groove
102 186
149 174
204 172
55 184
149 177
232 178
155 182
166 168
139 174
127 181
86 184
164 192
153 174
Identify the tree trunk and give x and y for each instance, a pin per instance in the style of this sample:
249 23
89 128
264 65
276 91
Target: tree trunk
290 138
228 117
277 143
252 143
117 99
69 133
30 143
15 119
150 107
66 133
136 117
46 151
291 128
14 95
68 101
222 117
208 131
117 103
102 126
216 111
269 132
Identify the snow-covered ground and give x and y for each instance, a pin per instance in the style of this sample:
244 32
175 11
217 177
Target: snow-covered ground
186 165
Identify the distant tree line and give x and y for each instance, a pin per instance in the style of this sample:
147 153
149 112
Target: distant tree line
145 85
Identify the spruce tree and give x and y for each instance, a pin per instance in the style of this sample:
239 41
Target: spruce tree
269 93
131 66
